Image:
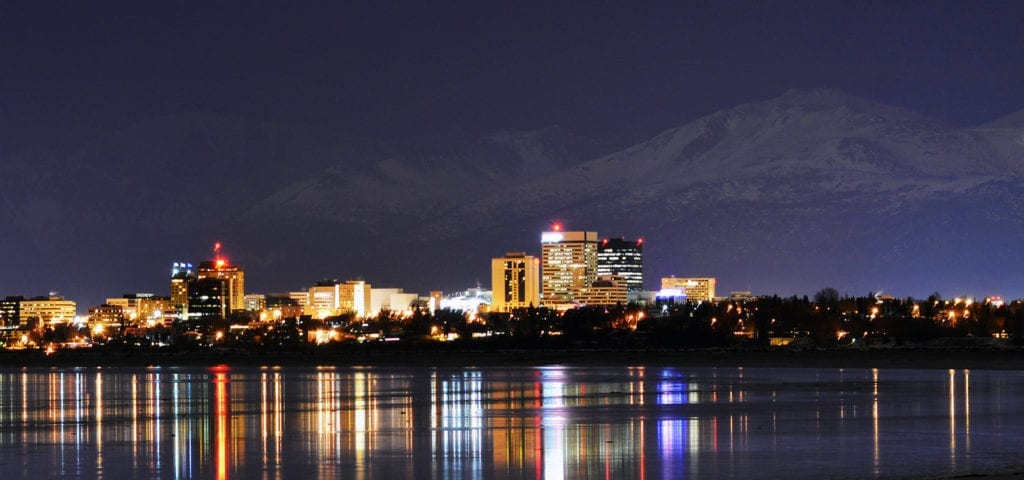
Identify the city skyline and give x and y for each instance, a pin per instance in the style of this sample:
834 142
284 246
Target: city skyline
586 269
508 239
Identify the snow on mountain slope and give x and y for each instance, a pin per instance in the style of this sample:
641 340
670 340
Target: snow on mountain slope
809 189
784 150
414 180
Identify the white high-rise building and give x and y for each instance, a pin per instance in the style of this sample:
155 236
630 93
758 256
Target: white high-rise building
568 264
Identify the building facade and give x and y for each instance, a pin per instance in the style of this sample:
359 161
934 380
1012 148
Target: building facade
515 282
234 281
141 307
107 319
323 300
694 288
605 291
181 274
624 259
280 306
47 310
356 297
10 311
331 298
207 300
568 264
255 302
390 300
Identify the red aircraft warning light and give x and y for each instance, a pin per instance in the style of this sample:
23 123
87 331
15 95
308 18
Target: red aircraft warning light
218 260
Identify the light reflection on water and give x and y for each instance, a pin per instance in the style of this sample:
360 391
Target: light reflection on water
548 422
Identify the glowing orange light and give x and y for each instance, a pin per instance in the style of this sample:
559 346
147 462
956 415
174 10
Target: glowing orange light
556 227
220 369
639 241
220 263
222 413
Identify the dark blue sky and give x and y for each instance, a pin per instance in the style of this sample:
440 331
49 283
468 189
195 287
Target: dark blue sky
78 69
74 73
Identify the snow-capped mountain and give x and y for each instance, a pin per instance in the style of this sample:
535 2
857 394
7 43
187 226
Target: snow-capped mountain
788 195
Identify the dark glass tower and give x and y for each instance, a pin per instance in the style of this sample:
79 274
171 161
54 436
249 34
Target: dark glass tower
622 258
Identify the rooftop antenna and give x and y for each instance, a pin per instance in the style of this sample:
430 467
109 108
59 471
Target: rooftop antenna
218 260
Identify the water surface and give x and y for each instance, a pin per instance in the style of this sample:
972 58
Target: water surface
521 422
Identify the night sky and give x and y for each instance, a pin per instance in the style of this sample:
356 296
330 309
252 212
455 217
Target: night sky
75 71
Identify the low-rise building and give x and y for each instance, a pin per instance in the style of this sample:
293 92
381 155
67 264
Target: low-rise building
50 310
695 289
605 291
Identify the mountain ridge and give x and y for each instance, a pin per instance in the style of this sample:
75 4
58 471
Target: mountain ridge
781 195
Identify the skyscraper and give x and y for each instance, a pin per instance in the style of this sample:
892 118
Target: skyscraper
514 282
622 258
206 300
233 276
568 264
181 274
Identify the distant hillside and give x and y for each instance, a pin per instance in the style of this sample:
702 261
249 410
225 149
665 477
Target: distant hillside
788 195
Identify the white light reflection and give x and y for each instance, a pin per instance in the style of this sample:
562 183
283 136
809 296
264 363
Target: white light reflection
99 420
222 416
135 420
874 421
672 435
462 423
553 421
967 411
952 418
176 425
359 421
156 420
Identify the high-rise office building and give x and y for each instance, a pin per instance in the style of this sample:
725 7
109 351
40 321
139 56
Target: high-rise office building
622 258
568 264
233 276
207 300
515 282
181 274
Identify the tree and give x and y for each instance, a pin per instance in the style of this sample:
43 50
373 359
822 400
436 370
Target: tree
827 297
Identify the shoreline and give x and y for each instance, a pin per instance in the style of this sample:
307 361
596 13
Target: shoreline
892 358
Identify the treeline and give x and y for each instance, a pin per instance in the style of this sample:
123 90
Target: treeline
824 320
